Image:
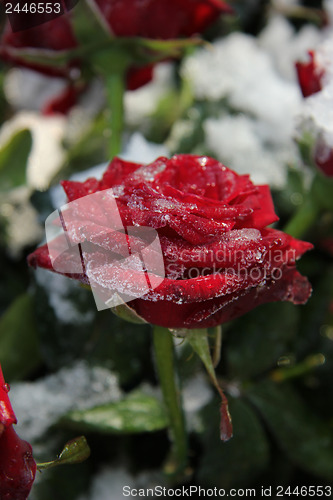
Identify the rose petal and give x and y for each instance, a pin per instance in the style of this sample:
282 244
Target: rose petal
7 415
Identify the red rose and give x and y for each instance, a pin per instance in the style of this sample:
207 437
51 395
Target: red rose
220 258
309 76
17 466
156 19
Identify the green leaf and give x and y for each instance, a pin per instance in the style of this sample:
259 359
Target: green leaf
239 460
305 438
138 412
13 160
88 150
19 350
305 147
256 343
74 452
321 191
293 193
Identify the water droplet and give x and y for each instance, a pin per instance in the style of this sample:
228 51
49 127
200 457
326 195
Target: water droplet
285 361
178 332
6 387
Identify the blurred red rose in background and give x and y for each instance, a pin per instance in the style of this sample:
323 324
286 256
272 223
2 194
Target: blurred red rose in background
17 466
155 19
309 76
220 258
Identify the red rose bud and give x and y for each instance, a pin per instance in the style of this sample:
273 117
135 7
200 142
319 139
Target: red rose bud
309 76
17 466
155 19
220 259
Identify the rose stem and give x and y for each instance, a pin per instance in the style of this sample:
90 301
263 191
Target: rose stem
303 219
164 356
115 88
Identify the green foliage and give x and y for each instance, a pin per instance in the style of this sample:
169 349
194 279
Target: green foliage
137 412
74 452
255 342
240 460
19 347
122 346
70 481
13 160
322 189
287 200
306 439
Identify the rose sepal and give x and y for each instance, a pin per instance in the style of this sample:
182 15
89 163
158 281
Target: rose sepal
198 339
124 311
139 51
75 451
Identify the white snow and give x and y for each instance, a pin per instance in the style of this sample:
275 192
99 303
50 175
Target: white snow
317 111
38 405
241 143
257 138
47 153
140 103
29 90
284 46
117 483
196 393
22 227
238 69
58 289
139 150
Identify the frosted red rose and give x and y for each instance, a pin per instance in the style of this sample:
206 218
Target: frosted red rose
155 19
220 258
17 466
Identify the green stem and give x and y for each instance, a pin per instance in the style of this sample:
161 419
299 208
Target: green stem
303 219
164 355
115 88
302 368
